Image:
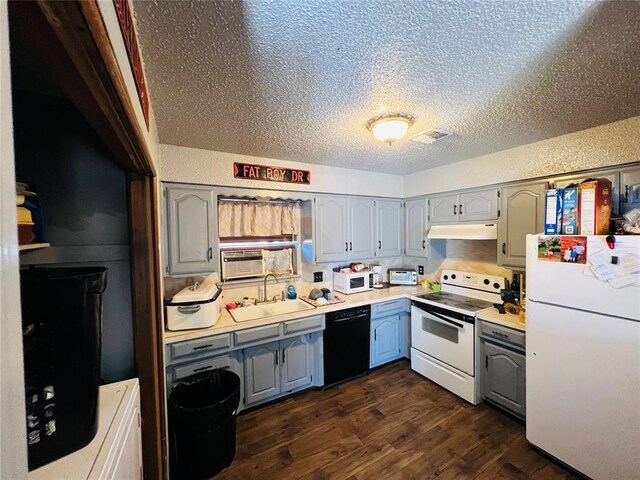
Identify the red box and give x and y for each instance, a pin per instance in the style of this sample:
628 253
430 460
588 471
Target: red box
595 206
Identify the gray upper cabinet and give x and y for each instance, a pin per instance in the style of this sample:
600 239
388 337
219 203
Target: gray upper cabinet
561 182
262 372
443 209
415 228
478 206
331 233
344 228
474 206
630 190
361 231
521 213
388 228
191 230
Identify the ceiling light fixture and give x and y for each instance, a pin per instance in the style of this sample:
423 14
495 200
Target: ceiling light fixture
388 127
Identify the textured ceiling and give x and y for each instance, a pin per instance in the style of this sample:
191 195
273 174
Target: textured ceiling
297 80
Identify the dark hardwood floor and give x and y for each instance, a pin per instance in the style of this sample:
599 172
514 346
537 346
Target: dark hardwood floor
392 423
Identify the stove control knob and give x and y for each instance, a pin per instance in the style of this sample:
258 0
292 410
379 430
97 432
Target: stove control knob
453 276
496 285
446 277
486 281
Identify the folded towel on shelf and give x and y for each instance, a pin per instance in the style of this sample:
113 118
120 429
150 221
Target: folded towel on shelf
24 216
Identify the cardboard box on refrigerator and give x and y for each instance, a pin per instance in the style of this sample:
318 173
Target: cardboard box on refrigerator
570 210
595 206
553 212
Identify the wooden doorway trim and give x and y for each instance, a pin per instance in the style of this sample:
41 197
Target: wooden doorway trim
72 40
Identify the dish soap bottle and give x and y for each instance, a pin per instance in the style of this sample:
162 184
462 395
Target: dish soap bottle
291 290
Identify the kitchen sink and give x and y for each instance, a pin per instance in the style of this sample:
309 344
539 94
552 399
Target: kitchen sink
244 314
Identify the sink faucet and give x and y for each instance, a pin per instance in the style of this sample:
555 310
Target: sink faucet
265 284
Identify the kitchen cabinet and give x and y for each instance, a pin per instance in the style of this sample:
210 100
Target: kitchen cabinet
262 372
387 339
630 190
416 228
503 378
361 231
344 228
296 366
474 206
276 368
614 176
191 230
521 213
388 228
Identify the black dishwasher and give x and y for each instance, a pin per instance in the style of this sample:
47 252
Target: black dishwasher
346 344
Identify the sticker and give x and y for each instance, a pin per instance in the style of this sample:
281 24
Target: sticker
566 249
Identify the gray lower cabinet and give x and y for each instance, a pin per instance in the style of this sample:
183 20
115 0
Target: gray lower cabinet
277 368
191 230
503 377
385 340
262 373
415 222
521 213
296 366
630 190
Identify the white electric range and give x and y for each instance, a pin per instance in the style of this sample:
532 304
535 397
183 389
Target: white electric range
443 335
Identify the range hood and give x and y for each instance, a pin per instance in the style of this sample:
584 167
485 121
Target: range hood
475 231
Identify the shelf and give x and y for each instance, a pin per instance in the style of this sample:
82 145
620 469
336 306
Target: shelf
33 246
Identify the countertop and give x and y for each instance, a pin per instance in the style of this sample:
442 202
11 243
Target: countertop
226 324
506 319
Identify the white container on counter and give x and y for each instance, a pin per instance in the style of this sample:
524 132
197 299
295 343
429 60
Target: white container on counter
197 306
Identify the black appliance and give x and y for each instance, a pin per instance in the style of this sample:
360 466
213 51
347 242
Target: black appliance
61 323
346 344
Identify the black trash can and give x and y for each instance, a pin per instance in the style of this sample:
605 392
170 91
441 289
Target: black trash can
202 424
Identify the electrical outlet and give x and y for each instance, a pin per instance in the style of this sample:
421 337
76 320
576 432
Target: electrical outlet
420 270
318 277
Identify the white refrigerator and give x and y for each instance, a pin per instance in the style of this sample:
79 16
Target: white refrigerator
583 356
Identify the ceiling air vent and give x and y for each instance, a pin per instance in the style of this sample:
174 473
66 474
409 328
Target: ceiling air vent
431 136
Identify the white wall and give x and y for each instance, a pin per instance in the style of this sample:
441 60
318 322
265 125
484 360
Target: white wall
192 165
612 144
108 11
13 444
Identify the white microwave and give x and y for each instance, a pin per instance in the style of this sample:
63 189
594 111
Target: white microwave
242 264
352 282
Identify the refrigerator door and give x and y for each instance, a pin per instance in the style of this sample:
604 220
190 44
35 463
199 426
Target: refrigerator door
583 390
566 284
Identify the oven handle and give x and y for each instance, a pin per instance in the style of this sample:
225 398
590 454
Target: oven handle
439 318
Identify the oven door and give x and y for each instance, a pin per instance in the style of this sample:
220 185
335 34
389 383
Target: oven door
445 335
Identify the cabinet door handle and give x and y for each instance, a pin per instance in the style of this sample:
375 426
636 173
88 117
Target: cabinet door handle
626 194
504 248
210 254
379 245
460 209
277 351
486 362
201 347
346 246
455 209
283 356
375 334
350 247
424 244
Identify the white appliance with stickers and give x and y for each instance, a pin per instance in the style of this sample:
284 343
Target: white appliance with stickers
583 356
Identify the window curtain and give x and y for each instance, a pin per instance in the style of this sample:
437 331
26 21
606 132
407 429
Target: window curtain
257 219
